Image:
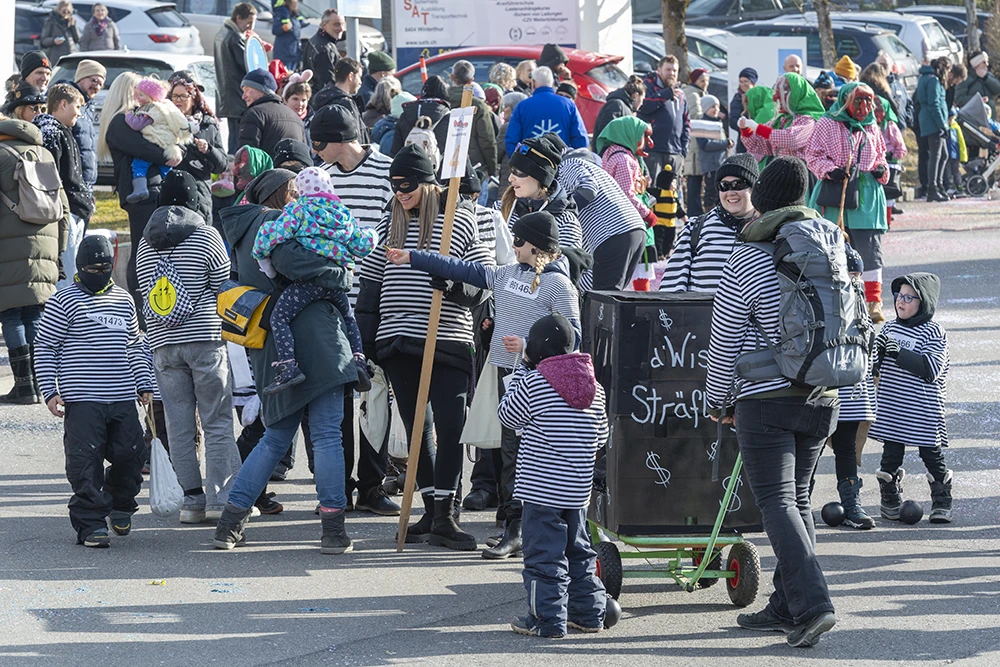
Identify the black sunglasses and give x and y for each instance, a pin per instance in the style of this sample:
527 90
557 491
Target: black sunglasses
732 186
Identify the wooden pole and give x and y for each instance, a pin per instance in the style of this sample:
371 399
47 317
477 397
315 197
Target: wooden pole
847 180
430 344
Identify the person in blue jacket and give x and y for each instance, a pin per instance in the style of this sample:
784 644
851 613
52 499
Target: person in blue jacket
286 25
933 120
665 108
545 112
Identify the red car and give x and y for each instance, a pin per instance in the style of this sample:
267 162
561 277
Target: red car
594 74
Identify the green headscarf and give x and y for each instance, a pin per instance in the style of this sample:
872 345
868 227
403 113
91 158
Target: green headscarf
890 115
626 131
839 111
258 160
760 104
802 101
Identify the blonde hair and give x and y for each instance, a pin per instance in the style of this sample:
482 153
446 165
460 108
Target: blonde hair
542 259
430 208
121 98
525 67
504 76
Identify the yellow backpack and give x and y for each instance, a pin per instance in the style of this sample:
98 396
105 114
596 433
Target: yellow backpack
245 313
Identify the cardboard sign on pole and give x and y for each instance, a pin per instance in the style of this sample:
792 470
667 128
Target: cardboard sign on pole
456 147
254 56
430 344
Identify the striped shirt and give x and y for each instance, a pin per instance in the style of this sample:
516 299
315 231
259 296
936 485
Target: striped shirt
487 222
202 263
609 213
555 461
911 409
749 285
857 403
88 348
700 269
405 297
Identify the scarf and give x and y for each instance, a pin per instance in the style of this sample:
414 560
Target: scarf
99 26
840 111
627 132
730 220
890 115
802 101
760 104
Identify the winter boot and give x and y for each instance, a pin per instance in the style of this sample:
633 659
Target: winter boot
24 392
229 531
140 191
420 532
335 539
850 498
288 375
891 486
444 528
940 498
509 545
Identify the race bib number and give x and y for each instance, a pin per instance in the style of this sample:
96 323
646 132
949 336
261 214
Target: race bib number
522 289
114 322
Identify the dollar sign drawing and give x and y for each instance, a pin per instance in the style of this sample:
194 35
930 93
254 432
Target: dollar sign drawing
653 463
712 452
665 320
600 313
734 503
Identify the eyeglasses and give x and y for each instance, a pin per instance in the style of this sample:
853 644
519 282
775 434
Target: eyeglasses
36 108
524 149
905 298
181 97
403 185
519 242
733 186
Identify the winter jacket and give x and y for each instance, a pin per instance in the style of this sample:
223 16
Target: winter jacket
987 86
332 94
904 105
956 142
546 112
711 154
930 96
203 165
287 43
431 107
617 105
320 55
483 143
85 132
267 121
109 40
563 209
735 111
59 141
321 345
367 89
323 225
125 144
383 133
56 26
230 68
667 111
29 253
162 124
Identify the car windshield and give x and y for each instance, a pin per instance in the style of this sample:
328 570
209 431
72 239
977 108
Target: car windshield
892 45
706 7
608 75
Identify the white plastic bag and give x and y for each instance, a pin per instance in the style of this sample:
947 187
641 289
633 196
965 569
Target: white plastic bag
482 426
399 438
375 418
165 493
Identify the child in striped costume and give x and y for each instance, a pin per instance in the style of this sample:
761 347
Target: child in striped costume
912 365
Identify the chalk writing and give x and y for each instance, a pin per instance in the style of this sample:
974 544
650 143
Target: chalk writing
655 409
665 320
734 503
653 463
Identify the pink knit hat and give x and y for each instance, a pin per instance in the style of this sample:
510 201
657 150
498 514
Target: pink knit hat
313 181
152 89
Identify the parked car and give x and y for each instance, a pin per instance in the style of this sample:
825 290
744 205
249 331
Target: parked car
862 43
951 17
146 63
648 48
720 13
144 25
708 43
28 22
595 74
923 35
208 16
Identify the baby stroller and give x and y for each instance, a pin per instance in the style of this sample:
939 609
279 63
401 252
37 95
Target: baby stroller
977 126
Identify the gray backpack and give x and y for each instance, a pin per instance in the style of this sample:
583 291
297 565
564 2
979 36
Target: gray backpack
825 341
38 186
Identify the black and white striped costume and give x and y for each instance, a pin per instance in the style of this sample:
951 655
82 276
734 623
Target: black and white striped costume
88 348
604 211
857 403
562 209
911 409
700 269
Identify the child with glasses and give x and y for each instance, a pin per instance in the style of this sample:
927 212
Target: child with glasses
321 223
162 124
912 366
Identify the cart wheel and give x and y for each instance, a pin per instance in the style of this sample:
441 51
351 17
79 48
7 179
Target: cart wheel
976 185
609 567
716 565
745 565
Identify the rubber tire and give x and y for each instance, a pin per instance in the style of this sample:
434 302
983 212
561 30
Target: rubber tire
976 185
716 564
744 560
609 567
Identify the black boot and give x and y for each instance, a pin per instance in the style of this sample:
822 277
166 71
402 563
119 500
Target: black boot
335 539
510 544
23 392
444 529
420 532
850 498
940 498
891 486
229 530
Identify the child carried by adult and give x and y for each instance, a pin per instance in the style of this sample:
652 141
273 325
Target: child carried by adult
160 123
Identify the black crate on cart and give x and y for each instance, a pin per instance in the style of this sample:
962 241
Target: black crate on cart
650 352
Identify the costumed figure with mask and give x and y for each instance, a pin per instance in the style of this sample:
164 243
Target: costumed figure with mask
797 108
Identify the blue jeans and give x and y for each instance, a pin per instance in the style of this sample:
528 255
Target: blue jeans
781 440
140 168
19 325
326 412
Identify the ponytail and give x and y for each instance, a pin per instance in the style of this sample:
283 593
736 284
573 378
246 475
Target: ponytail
542 259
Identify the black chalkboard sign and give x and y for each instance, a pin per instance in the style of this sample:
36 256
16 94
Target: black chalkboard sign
650 352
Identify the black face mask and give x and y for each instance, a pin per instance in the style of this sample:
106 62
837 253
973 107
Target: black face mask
93 283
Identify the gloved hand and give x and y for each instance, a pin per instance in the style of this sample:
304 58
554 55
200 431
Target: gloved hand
892 348
879 171
250 411
439 283
650 218
838 175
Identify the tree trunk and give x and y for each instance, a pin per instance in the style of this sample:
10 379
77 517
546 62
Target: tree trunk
991 38
972 25
826 42
674 12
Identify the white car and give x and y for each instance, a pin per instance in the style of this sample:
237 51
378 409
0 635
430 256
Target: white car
146 63
923 35
144 25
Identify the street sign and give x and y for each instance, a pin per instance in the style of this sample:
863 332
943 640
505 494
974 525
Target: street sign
364 9
255 57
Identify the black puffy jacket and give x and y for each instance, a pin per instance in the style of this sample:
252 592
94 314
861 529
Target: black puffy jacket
126 144
617 105
203 165
267 121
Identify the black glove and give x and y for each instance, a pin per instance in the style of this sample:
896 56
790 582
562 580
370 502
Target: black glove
439 283
892 348
879 171
838 175
889 157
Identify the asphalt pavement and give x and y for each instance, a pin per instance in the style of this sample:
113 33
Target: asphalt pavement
914 595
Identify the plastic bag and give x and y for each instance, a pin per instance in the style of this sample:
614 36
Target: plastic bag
375 411
482 426
165 493
399 439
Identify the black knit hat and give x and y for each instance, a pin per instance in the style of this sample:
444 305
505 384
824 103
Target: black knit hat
740 165
95 249
552 56
782 183
472 182
266 184
539 158
436 87
412 162
24 94
551 336
292 150
333 124
540 229
32 60
179 188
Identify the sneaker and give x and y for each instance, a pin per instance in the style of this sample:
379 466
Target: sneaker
527 625
269 506
764 620
807 634
98 539
583 628
377 502
288 375
121 523
192 515
213 513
